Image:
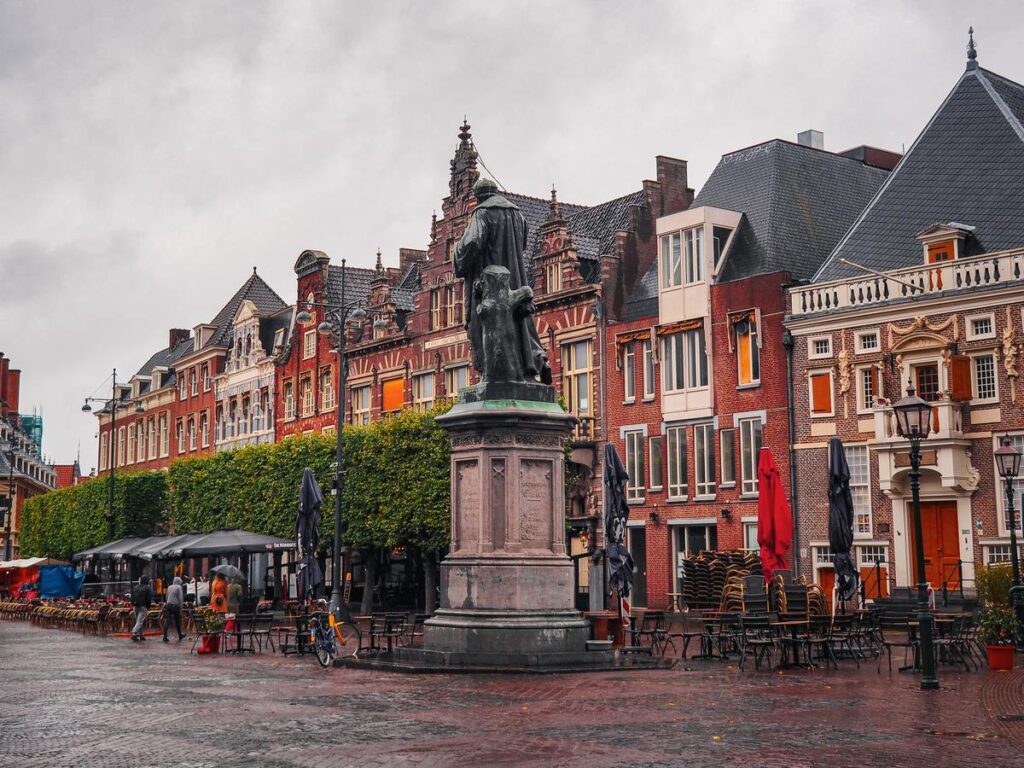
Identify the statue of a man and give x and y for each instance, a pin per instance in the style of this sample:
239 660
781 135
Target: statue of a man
496 236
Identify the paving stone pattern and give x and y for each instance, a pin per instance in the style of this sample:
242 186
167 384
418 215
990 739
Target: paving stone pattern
68 700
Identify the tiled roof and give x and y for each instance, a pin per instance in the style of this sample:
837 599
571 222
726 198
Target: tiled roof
797 202
966 166
357 284
643 301
256 291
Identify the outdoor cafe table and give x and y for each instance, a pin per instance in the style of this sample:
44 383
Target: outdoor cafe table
943 624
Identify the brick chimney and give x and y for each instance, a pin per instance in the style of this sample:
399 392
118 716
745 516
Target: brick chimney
4 365
13 398
176 336
675 194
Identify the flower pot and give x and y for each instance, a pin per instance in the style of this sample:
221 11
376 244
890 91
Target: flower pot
1000 657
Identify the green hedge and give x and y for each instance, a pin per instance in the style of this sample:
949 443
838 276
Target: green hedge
60 523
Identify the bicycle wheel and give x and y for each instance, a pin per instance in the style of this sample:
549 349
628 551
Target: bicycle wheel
349 638
324 648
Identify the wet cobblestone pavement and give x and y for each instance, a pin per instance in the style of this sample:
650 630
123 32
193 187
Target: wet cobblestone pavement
68 700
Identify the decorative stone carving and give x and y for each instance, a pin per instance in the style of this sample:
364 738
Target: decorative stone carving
845 371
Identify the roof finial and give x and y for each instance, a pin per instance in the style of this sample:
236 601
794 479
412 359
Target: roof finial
972 51
380 266
254 270
464 134
556 209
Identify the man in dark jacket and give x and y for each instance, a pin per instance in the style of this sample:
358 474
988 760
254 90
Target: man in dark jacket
142 598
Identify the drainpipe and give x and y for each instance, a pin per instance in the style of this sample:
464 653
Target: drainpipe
787 342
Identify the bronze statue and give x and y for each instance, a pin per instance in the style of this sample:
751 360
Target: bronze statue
496 237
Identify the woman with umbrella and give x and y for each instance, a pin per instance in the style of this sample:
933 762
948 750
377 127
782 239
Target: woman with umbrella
219 594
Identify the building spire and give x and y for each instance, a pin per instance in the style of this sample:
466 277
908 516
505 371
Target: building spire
380 265
465 152
556 209
972 50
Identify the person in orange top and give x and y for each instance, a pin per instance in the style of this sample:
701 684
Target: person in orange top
219 594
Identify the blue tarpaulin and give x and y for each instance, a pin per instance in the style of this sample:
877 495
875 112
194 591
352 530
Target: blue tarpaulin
59 581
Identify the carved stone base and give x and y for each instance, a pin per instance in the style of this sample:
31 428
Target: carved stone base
507 583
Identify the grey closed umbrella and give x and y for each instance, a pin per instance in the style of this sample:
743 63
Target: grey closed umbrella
307 535
616 515
840 520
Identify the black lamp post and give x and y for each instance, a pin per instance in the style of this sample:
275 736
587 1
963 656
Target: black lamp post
335 317
112 450
915 420
1008 461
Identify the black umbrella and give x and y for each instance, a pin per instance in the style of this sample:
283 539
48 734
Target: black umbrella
307 535
840 520
616 515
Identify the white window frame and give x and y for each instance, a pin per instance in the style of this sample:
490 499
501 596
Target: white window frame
289 400
671 259
876 383
1017 440
633 438
861 490
676 462
680 353
164 428
859 337
989 334
204 429
193 381
750 536
180 430
649 373
722 463
975 397
130 449
573 374
653 451
421 401
309 344
153 438
451 379
361 396
749 485
206 377
831 391
182 386
553 276
307 397
327 399
693 255
629 373
704 441
813 354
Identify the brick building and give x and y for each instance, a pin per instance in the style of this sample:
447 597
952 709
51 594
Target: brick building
924 289
700 379
23 471
166 410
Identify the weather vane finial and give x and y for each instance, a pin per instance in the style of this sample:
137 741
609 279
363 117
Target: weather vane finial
972 50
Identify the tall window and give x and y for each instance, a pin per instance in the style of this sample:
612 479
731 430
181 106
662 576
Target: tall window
182 386
204 429
676 437
308 405
191 434
309 343
193 381
684 360
423 391
727 438
206 377
694 254
326 389
392 395
748 352
104 452
553 276
165 435
860 488
576 375
121 456
671 260
984 375
130 454
868 382
750 450
455 379
820 385
449 305
635 464
655 464
180 434
361 405
151 439
648 353
140 448
629 372
1017 441
704 459
289 400
435 309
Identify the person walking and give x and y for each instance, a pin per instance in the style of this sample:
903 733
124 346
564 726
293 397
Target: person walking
219 594
234 597
172 609
202 591
142 599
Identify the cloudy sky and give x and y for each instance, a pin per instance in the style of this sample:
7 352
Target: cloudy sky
152 153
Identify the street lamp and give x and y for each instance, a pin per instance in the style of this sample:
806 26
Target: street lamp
915 419
335 317
1008 461
112 451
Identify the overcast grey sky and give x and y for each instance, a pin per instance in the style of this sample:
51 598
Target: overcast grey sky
152 154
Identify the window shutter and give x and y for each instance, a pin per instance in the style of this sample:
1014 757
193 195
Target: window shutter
821 393
960 377
394 395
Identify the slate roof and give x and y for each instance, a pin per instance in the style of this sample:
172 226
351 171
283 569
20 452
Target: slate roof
797 203
403 291
357 284
256 291
966 166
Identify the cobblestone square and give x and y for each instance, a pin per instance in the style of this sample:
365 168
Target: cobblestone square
70 700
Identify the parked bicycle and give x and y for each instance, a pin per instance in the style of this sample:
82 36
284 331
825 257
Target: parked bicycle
331 637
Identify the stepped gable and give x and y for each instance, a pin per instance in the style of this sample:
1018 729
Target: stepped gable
797 202
966 166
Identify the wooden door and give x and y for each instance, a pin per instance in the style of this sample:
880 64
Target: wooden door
637 546
827 582
940 535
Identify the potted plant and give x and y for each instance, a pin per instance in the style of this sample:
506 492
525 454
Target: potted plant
997 623
997 629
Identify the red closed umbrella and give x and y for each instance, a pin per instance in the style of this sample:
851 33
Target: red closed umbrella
774 518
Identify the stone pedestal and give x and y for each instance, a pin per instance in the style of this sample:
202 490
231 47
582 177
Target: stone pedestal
507 583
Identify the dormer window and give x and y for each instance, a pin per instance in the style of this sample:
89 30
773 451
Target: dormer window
943 251
944 242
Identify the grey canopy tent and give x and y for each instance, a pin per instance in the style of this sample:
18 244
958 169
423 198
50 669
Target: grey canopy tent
229 541
840 521
151 548
112 550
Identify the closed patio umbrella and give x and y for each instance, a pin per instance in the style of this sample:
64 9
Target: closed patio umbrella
307 535
616 514
840 520
774 519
